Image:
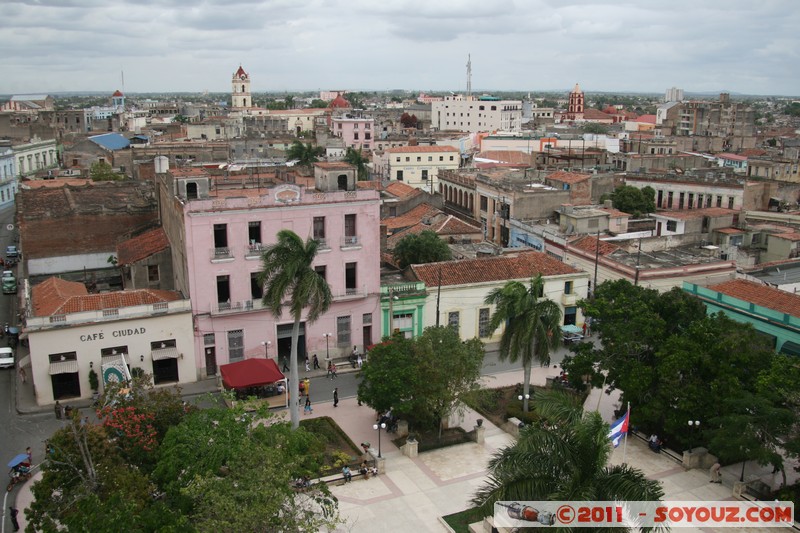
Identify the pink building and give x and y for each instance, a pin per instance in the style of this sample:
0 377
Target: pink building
356 131
218 230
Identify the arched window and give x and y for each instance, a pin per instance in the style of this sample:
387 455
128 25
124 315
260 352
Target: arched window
341 182
191 190
243 87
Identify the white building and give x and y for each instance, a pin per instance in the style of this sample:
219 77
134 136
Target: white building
673 94
72 333
476 114
466 283
8 176
418 166
35 155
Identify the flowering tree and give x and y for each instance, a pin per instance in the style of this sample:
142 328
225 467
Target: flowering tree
134 429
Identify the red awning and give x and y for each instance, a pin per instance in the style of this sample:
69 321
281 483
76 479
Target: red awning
250 373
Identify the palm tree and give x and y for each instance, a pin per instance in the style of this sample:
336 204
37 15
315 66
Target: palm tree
305 154
357 159
564 456
287 274
531 325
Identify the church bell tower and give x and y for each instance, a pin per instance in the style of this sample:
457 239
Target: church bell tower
240 84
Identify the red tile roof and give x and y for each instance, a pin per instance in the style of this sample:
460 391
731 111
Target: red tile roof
141 246
520 266
420 149
591 113
56 296
788 236
410 218
732 157
402 190
615 212
763 295
647 119
730 231
568 177
588 243
509 157
444 226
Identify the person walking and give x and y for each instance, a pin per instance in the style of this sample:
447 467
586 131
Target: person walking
360 361
713 472
29 453
285 366
307 386
315 362
336 397
13 514
308 365
59 411
333 370
307 410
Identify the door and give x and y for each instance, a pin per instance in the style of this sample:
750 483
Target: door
211 361
66 385
165 371
284 334
366 336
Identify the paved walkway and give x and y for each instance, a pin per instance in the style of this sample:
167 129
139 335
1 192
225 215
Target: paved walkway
414 493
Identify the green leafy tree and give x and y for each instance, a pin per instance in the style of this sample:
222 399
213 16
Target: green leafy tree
594 127
531 325
565 457
356 99
181 119
102 171
316 103
420 248
633 200
422 378
793 109
276 105
305 154
287 274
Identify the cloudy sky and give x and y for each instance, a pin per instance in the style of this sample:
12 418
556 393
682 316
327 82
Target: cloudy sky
745 46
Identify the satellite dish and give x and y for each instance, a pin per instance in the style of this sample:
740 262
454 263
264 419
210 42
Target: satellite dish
10 227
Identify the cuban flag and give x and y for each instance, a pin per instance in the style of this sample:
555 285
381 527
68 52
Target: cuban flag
619 429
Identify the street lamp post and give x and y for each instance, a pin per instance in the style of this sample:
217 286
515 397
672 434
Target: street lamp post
695 424
379 427
327 347
266 344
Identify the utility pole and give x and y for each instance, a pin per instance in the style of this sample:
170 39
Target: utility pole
438 295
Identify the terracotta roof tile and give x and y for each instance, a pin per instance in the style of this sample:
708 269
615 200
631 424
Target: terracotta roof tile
520 266
420 149
763 295
787 236
402 190
588 243
55 296
444 226
591 113
568 177
141 246
615 212
729 231
406 220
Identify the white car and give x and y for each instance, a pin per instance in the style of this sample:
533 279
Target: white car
6 358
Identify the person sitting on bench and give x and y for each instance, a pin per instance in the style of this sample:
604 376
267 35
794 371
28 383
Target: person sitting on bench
348 476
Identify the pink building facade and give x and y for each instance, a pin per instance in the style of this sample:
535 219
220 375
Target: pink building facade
356 131
224 234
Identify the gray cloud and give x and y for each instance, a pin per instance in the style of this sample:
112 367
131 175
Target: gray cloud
183 45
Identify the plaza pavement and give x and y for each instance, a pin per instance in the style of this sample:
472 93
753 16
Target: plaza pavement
414 493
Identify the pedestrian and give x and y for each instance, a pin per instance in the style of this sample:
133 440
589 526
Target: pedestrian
285 366
59 412
333 370
335 398
29 453
713 472
302 387
307 386
308 366
307 410
346 474
329 375
13 512
316 362
22 375
359 361
585 329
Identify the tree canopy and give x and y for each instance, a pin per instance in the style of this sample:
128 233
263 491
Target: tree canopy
305 154
675 363
102 171
420 248
595 127
422 378
358 160
633 200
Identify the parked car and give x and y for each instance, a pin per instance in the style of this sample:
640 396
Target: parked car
571 338
6 358
9 282
12 252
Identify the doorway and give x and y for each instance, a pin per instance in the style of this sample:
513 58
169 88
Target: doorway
211 361
165 371
66 385
284 335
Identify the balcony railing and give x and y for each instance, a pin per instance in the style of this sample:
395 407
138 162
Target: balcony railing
351 241
569 299
223 308
323 244
350 293
254 250
221 253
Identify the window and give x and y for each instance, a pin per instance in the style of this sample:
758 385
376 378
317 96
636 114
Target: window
484 203
483 322
319 228
350 278
256 292
223 291
680 200
451 158
349 225
208 339
398 160
366 126
366 319
322 270
236 345
399 175
567 287
355 125
430 158
690 204
441 158
367 135
425 175
669 200
343 330
730 202
355 135
453 319
152 273
220 235
672 225
408 159
254 232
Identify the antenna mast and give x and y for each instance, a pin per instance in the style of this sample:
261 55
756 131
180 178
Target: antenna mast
469 75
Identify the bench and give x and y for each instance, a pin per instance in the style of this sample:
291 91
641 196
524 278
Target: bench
338 478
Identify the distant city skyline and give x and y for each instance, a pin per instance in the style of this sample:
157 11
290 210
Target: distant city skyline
51 46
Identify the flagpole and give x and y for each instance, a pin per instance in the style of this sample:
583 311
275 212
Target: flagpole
625 444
